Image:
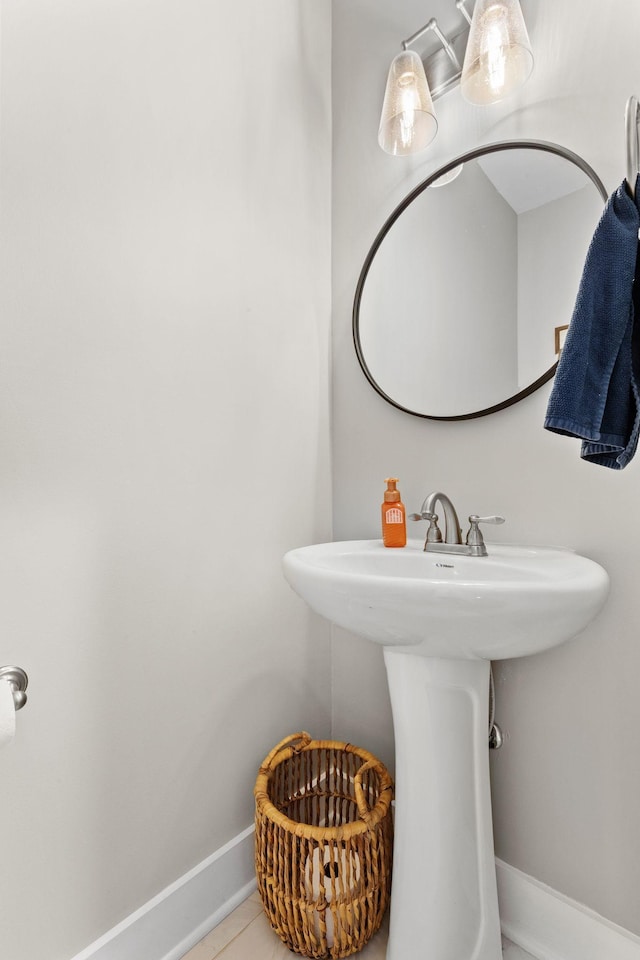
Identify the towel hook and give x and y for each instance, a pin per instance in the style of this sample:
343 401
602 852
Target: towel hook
631 120
17 680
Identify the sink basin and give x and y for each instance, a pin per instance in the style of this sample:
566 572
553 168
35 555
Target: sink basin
517 601
441 619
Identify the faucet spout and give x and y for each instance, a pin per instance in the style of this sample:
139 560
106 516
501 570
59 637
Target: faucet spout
474 545
452 531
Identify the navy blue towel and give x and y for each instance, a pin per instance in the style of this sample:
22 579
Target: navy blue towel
596 394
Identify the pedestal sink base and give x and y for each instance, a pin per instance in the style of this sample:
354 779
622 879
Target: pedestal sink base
444 903
441 619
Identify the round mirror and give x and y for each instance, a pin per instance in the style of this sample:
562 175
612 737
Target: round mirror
466 294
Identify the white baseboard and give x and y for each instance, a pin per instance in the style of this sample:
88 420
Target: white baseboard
168 926
550 926
537 918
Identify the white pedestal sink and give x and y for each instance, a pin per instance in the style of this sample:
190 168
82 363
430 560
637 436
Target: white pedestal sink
442 619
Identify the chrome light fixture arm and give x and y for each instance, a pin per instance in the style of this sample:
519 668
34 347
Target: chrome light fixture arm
432 26
463 10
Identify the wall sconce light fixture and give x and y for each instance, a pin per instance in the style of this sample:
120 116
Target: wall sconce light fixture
490 57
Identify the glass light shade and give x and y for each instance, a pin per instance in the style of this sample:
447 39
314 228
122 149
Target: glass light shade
408 123
498 58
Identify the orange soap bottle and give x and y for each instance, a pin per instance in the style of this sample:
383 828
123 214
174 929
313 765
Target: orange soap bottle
394 521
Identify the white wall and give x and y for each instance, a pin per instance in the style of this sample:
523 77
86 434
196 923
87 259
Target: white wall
163 435
567 780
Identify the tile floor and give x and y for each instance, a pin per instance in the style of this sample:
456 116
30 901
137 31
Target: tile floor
246 935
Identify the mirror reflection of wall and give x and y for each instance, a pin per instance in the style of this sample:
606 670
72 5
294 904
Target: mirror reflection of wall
435 314
552 244
459 298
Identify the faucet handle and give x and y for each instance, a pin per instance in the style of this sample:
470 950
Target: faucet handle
423 516
434 534
474 536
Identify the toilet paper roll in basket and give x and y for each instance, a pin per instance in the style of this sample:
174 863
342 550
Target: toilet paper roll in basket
7 714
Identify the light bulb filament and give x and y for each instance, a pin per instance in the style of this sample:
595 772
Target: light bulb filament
408 114
495 41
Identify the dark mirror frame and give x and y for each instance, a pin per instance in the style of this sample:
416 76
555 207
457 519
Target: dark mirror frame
399 210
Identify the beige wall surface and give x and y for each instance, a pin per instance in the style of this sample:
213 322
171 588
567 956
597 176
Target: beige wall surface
164 436
567 781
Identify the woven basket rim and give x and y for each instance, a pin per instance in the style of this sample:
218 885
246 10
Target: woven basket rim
265 807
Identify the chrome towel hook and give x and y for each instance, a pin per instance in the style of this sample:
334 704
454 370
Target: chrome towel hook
631 120
17 680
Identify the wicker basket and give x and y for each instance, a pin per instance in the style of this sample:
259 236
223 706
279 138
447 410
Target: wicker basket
324 841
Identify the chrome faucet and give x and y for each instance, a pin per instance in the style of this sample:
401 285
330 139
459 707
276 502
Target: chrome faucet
452 531
452 543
